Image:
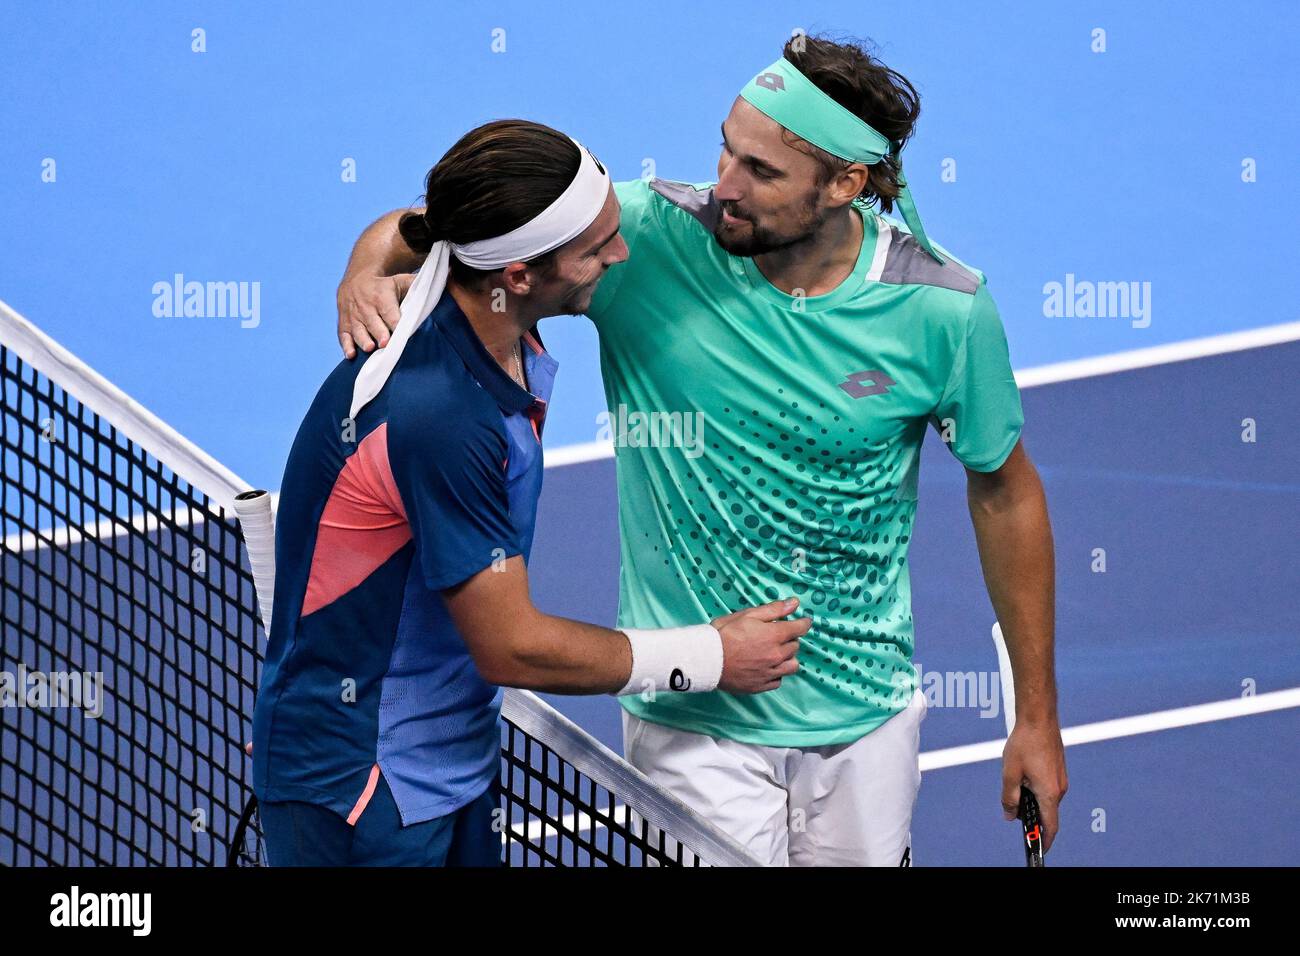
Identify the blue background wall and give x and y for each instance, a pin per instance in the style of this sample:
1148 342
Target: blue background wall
226 165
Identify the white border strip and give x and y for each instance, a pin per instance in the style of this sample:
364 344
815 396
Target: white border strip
577 454
538 831
884 235
67 536
1158 355
1125 726
1053 373
173 450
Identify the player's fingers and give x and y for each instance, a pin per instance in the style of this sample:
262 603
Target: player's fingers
773 610
1049 815
349 347
786 667
377 326
1049 836
1010 794
793 630
402 284
390 315
790 643
1049 806
360 334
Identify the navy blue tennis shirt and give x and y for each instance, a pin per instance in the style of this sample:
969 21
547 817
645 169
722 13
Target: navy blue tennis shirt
365 673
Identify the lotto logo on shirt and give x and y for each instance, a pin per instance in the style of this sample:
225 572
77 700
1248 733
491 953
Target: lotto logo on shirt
869 381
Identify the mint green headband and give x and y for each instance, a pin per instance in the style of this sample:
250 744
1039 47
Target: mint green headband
787 96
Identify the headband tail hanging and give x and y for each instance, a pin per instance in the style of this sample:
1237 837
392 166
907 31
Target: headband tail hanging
912 217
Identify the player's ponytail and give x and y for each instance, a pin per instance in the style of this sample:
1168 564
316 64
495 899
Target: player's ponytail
493 180
416 232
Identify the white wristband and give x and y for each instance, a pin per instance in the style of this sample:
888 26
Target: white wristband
674 658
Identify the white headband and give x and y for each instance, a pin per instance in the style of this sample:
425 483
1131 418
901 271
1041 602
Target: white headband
560 222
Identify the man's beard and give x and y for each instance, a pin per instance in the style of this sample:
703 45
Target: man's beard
578 300
761 240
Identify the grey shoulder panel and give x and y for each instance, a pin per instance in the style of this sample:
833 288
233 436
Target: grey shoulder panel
699 203
907 263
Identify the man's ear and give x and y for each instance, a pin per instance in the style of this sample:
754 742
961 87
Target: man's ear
518 279
849 184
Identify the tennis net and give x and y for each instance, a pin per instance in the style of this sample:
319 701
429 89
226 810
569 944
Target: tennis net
130 645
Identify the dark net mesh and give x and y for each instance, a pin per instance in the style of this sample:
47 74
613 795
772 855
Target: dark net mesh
129 659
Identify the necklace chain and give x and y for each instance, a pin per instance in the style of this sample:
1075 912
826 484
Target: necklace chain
519 365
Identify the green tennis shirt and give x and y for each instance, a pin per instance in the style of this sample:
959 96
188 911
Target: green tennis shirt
768 445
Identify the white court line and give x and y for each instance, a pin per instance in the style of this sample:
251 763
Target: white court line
1158 355
571 823
1125 726
64 536
577 454
1039 375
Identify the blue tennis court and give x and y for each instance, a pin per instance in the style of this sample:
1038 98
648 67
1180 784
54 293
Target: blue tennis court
1199 603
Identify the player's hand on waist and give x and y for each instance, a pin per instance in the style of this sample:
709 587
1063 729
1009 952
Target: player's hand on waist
758 648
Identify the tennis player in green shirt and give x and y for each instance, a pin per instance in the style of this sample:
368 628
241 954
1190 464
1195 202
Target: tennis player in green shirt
773 353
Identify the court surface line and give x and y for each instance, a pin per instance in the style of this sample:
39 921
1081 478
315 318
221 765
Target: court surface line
539 830
1038 375
1126 726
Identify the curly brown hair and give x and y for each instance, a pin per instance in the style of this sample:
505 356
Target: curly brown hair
882 98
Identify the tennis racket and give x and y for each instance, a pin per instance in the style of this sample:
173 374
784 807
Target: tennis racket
246 847
1030 819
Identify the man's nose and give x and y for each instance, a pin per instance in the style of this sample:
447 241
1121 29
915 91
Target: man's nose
727 189
620 252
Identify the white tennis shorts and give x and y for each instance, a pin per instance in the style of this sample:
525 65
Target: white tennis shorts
837 805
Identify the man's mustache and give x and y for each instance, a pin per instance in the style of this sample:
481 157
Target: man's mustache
731 210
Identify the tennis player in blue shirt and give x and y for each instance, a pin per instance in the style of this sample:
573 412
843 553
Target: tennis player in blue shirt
405 520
